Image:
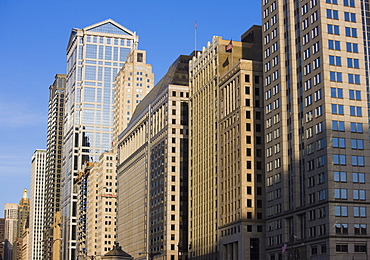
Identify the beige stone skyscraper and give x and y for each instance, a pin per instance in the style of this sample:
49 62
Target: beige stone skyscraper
133 82
23 216
226 192
153 171
97 207
11 224
316 138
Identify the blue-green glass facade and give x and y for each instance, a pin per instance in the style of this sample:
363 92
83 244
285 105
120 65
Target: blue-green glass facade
94 56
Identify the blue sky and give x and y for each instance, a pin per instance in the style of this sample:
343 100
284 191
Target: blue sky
34 37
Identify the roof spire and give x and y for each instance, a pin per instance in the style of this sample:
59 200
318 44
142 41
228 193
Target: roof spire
25 195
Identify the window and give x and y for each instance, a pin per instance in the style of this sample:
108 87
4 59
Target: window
351 32
339 142
334 45
352 47
353 63
358 177
341 211
350 17
333 29
358 160
354 94
356 127
357 144
353 78
360 229
308 100
341 248
319 127
316 46
359 194
338 126
336 92
339 159
318 111
335 76
340 176
355 111
341 228
340 194
332 14
359 212
361 248
332 1
335 60
337 109
350 3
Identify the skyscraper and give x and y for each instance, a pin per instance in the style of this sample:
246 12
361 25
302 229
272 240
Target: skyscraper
37 204
226 129
23 215
53 157
153 170
317 149
133 82
11 220
2 237
94 56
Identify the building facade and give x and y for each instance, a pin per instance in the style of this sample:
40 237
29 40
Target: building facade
101 206
94 56
11 224
23 215
153 171
2 237
37 204
54 157
317 148
134 80
226 193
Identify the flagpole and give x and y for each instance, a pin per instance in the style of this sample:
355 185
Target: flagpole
195 34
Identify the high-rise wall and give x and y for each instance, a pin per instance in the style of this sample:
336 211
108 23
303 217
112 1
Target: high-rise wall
53 157
2 237
153 170
11 224
94 56
23 215
134 80
316 137
226 192
101 205
37 204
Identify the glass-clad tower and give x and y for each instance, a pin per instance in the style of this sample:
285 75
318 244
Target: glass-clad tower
94 56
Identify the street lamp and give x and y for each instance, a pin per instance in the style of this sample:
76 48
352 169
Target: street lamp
151 254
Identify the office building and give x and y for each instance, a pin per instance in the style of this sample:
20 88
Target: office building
134 80
2 237
153 171
53 157
226 192
316 135
24 241
11 224
37 204
23 214
101 206
94 56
